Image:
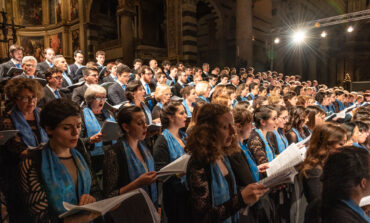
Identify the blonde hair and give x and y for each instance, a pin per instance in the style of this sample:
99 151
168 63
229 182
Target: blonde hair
201 88
160 91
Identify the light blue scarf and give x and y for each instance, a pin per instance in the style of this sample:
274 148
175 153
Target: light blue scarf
359 146
174 147
136 168
269 153
25 130
340 105
251 95
59 184
220 187
356 209
252 164
282 142
188 112
93 127
299 137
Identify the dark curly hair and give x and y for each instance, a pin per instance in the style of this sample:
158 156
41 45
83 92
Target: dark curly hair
56 111
296 118
132 87
203 137
15 85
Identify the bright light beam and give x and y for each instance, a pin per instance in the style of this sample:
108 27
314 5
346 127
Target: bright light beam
323 34
350 29
277 41
299 36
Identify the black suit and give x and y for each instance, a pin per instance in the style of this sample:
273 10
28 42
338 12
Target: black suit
64 83
205 76
72 72
78 94
42 68
108 78
177 88
4 68
49 96
116 94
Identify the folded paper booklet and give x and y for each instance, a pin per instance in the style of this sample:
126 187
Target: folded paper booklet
111 131
103 206
6 135
176 167
290 157
281 177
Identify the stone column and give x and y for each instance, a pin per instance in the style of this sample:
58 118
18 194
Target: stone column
173 22
126 13
189 31
244 44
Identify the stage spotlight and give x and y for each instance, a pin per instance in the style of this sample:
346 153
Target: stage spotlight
299 36
323 34
277 41
350 29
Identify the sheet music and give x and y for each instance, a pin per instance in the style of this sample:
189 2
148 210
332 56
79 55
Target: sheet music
176 167
365 201
284 176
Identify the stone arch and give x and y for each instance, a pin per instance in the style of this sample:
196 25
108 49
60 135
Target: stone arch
218 16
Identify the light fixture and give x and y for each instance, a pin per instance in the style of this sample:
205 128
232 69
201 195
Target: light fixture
323 34
350 29
277 41
299 36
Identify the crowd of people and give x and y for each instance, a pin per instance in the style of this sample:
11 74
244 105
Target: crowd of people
232 122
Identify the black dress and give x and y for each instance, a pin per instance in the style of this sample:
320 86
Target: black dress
175 194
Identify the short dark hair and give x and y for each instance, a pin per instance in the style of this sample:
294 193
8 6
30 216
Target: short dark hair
99 52
53 70
13 48
56 111
165 63
87 70
122 69
137 60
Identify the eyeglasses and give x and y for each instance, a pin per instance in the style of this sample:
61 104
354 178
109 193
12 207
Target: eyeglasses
100 99
27 99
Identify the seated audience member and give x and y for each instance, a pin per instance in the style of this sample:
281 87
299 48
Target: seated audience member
58 173
295 128
24 117
214 195
52 91
42 67
128 164
112 73
277 138
189 96
162 95
93 118
265 118
325 140
345 181
202 90
135 96
116 92
91 77
168 147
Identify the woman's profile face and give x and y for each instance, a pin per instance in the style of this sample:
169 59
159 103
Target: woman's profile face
166 96
283 119
139 94
66 134
225 129
26 101
179 120
137 128
192 96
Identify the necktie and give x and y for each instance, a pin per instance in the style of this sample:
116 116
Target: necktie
56 92
18 65
69 82
147 89
30 77
50 65
124 87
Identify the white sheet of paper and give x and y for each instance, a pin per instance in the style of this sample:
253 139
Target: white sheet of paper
176 167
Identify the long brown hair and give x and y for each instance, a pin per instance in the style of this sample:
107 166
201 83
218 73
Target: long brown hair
202 142
323 138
